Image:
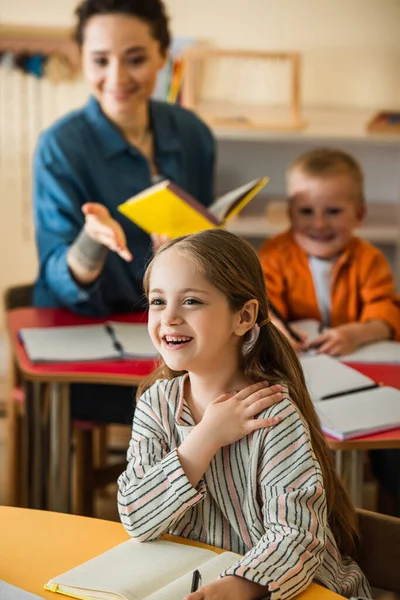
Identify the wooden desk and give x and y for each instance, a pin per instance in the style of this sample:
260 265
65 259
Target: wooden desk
37 545
57 377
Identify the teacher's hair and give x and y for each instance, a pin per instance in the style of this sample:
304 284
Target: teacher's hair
232 266
151 12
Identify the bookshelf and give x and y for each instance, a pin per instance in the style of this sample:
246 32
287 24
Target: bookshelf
46 40
247 154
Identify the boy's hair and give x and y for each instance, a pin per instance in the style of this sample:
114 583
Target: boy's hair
232 266
325 162
151 11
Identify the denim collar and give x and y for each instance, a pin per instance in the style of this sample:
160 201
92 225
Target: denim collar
111 141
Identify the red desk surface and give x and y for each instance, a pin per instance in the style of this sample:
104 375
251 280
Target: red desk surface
117 372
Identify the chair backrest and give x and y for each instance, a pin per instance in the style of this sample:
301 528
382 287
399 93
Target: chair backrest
379 549
18 296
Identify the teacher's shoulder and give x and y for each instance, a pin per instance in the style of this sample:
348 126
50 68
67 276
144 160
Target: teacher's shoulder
183 121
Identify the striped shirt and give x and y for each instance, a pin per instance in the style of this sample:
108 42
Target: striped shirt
262 497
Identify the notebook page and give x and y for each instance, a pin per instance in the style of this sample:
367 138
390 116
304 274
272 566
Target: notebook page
11 592
68 344
134 338
361 413
209 571
325 375
134 570
308 326
385 352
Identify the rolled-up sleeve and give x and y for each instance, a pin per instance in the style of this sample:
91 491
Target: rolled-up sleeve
58 197
379 298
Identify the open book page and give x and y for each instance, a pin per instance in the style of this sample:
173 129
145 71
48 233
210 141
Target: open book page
385 352
134 339
11 592
227 204
361 413
132 570
68 344
209 571
326 375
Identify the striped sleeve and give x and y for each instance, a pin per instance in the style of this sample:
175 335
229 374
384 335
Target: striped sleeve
292 543
154 491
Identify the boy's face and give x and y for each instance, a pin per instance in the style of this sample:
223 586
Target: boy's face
324 212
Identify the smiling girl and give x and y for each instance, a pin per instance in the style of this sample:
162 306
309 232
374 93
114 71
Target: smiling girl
226 447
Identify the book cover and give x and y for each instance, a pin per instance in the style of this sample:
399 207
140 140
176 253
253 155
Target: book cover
165 208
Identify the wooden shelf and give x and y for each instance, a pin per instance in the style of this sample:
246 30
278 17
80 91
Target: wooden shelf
321 124
48 40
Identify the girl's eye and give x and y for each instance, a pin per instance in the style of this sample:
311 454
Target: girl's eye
334 211
191 301
100 61
157 302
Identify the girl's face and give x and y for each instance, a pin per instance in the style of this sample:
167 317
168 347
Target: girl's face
190 321
121 60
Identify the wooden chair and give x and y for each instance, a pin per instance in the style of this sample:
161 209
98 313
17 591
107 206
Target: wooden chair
379 550
91 469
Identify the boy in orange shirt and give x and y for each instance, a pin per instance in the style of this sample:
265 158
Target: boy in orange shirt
319 270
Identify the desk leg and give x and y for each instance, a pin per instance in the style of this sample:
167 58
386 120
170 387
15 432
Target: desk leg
60 448
37 446
356 477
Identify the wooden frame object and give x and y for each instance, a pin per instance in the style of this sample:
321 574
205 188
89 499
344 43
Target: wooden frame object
46 40
243 116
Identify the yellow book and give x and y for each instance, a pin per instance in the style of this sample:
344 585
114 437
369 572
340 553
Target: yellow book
166 209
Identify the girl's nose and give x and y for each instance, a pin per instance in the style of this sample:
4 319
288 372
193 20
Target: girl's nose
171 319
117 74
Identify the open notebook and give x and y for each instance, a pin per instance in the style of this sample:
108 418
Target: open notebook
108 341
349 404
159 570
384 352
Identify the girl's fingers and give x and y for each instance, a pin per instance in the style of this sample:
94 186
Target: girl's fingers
259 405
266 423
263 393
251 389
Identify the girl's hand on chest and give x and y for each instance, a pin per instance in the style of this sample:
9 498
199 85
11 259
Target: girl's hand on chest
232 416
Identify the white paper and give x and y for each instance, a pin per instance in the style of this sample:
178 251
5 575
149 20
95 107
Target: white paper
326 375
135 339
361 413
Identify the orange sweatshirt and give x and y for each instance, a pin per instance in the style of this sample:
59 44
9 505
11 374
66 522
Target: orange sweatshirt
362 283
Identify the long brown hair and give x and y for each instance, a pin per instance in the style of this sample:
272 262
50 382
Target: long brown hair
232 266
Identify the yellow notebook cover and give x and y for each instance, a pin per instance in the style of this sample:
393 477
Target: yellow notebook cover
166 209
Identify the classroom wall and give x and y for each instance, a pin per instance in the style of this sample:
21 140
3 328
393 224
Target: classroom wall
351 48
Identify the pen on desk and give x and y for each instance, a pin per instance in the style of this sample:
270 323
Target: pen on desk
364 388
286 325
196 581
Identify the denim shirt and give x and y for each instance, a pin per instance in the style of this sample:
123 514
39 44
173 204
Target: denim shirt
83 158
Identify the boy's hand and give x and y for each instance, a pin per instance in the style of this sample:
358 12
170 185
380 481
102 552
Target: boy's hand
229 588
102 228
339 340
298 346
159 240
232 416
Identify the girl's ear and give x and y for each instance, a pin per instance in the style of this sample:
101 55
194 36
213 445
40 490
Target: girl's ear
246 317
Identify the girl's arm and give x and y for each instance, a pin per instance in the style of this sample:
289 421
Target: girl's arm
292 544
160 483
154 490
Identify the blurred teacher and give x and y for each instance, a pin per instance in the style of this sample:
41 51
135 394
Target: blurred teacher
91 257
